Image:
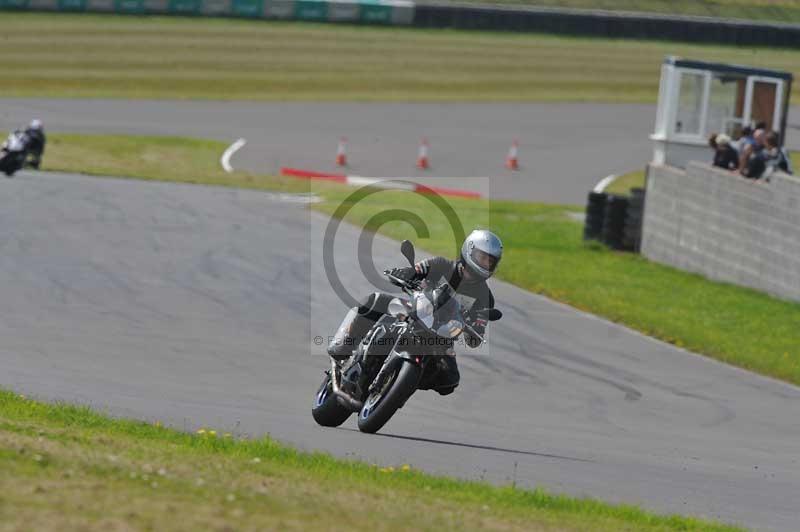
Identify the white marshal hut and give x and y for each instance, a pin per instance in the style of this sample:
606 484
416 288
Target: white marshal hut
697 99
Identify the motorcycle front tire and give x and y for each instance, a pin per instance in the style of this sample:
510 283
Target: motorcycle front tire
372 417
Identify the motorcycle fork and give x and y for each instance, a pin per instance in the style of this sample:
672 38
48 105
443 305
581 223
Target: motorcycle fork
388 364
394 358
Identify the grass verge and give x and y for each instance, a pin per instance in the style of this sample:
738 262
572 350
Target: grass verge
624 183
544 253
180 159
89 56
67 467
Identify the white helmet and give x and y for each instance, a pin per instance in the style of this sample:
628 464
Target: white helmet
36 124
481 252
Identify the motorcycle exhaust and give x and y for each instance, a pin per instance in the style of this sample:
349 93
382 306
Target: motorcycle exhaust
345 400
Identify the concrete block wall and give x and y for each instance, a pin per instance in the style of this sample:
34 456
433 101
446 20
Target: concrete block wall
725 227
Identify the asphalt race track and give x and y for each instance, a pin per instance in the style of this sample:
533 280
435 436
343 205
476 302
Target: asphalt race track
565 149
193 305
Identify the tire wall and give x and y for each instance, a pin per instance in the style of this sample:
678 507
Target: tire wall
607 24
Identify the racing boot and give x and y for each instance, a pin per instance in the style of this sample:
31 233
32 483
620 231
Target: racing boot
448 376
348 335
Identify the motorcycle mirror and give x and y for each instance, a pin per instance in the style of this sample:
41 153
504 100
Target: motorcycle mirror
407 249
493 314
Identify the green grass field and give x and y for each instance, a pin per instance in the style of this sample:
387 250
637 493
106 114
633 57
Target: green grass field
184 160
68 468
544 254
151 57
767 10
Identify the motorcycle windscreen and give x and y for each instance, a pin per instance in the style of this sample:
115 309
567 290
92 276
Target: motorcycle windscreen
447 319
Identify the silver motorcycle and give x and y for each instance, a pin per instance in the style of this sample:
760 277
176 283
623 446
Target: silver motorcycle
397 356
13 152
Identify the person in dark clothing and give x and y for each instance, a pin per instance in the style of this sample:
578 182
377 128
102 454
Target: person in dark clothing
774 156
725 155
480 255
751 159
755 166
35 133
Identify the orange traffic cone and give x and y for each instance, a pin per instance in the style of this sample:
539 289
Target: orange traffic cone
341 152
422 157
512 163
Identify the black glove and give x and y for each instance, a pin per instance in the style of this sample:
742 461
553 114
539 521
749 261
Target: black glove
406 274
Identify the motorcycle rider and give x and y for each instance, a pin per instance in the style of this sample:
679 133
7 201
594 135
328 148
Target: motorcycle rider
36 142
480 255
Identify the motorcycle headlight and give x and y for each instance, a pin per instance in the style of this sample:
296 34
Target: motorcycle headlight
397 307
450 329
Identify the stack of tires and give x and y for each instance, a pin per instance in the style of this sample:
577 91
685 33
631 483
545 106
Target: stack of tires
595 214
632 234
615 220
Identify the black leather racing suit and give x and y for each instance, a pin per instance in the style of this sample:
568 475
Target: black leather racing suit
434 271
36 142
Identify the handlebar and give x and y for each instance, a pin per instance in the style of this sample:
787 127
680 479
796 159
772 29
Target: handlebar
402 283
408 286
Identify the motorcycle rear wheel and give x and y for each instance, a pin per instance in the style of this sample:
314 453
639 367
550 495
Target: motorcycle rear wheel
326 410
382 404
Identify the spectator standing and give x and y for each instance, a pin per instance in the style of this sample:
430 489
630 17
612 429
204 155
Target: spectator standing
725 155
774 156
751 161
745 138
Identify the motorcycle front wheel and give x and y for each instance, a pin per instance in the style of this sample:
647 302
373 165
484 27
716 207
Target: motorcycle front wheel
381 404
7 165
326 410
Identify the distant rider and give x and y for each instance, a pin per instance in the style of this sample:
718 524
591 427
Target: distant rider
36 142
480 255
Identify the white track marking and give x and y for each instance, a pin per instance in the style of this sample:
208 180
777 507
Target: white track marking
601 186
378 182
225 160
293 198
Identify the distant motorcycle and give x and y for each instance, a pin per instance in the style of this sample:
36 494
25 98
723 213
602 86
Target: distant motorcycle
397 356
14 152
